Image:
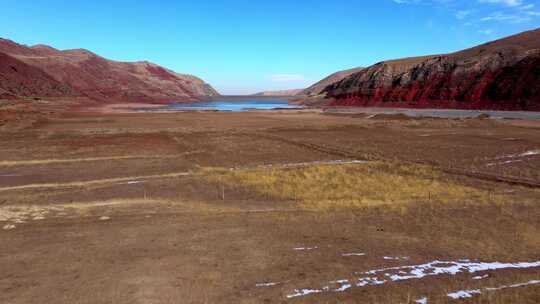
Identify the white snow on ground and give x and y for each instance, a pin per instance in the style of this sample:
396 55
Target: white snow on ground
434 268
524 154
305 248
344 285
9 227
421 301
305 292
411 272
269 284
463 294
352 254
505 162
389 258
481 277
132 183
513 158
530 153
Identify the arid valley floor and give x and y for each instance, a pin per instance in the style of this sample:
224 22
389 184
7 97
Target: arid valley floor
267 207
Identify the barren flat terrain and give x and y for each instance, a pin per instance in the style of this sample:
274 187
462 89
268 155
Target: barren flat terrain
267 207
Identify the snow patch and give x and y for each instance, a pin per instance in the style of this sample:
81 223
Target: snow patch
505 162
481 277
421 301
411 272
530 153
305 248
524 154
9 227
389 258
463 294
132 183
269 284
304 292
352 254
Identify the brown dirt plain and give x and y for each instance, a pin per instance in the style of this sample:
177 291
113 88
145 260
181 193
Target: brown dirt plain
117 207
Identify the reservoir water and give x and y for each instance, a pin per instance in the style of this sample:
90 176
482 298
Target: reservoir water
231 105
246 104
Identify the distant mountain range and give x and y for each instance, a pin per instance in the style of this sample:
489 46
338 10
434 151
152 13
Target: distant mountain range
313 90
503 75
42 71
283 93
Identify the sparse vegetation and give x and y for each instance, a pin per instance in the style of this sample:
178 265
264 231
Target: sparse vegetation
101 204
326 187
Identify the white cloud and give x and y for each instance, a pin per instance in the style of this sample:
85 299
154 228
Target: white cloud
479 11
407 1
527 7
463 14
503 2
287 78
486 32
508 17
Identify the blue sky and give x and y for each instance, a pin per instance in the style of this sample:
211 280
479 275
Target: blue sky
245 46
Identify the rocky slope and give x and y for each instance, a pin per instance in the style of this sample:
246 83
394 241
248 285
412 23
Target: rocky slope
503 74
20 79
319 87
81 72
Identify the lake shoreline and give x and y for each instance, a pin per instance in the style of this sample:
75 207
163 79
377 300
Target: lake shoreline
284 104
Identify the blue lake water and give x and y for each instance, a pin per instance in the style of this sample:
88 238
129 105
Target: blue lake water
231 105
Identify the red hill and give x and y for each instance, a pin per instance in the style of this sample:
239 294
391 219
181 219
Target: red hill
503 74
88 74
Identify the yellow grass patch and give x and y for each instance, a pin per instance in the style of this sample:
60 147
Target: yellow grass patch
354 185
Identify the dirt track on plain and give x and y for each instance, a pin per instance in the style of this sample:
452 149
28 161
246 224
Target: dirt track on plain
98 208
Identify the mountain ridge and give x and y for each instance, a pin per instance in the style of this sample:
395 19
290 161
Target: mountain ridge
503 75
280 93
319 86
91 75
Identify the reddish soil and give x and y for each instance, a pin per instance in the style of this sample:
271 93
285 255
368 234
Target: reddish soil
20 79
130 231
